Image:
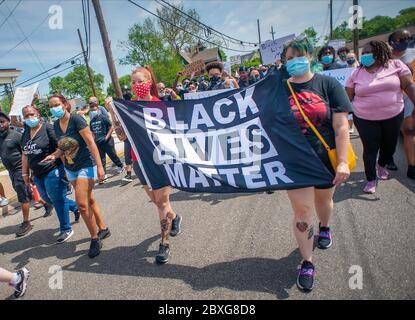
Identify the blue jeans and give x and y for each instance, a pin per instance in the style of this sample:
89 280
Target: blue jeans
53 189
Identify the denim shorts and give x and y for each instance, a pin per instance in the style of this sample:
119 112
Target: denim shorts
408 107
84 173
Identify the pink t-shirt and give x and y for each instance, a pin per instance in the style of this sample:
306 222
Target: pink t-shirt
378 96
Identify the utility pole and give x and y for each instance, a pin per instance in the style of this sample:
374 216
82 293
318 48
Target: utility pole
272 33
331 19
91 81
259 31
107 48
356 29
259 38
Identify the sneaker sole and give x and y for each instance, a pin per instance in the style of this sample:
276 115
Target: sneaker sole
180 229
66 239
161 261
326 247
304 289
26 275
107 236
24 234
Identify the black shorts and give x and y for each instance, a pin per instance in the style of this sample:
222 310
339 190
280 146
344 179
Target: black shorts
140 176
23 192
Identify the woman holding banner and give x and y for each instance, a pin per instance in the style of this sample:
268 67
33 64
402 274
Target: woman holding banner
324 102
144 86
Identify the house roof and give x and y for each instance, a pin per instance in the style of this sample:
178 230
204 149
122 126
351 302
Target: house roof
207 55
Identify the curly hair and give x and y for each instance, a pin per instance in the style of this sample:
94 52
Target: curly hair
214 65
325 48
381 52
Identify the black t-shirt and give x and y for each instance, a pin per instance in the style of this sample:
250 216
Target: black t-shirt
243 83
77 155
216 86
319 97
11 150
38 148
100 127
334 66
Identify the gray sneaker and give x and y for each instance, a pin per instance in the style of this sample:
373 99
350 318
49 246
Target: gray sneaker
20 288
64 236
24 229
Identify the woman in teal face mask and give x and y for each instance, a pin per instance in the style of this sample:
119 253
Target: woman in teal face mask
376 92
83 167
327 56
324 101
39 141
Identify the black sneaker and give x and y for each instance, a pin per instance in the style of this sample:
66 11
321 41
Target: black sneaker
324 240
77 215
128 177
411 172
164 253
24 229
392 166
21 286
176 226
103 234
48 210
305 279
95 248
269 192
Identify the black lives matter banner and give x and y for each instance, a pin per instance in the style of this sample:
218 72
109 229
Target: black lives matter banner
237 141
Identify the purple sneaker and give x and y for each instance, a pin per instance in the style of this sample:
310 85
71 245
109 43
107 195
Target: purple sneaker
305 279
324 240
370 187
383 173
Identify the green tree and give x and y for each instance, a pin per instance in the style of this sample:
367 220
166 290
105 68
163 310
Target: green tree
311 35
76 84
6 104
406 18
123 81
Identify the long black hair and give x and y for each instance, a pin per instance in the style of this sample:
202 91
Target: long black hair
381 52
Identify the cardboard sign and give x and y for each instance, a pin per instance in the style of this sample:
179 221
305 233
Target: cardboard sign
271 50
194 67
340 74
23 97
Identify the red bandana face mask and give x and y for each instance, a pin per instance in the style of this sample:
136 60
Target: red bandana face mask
142 89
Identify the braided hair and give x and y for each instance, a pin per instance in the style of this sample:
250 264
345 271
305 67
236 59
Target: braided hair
381 52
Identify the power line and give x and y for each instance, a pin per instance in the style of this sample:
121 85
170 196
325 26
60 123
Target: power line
10 14
27 40
184 30
28 36
55 67
237 41
340 11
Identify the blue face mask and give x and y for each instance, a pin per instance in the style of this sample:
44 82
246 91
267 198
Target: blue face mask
93 114
367 60
32 122
57 112
297 67
327 59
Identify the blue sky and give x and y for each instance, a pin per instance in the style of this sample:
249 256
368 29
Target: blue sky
236 18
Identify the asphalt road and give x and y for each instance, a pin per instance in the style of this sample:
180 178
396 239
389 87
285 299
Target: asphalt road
232 247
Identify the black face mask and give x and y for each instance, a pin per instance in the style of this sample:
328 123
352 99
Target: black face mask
350 61
214 79
253 79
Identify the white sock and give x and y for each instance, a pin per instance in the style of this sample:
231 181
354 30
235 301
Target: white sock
16 279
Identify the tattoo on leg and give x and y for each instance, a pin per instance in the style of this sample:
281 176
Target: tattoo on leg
302 226
310 232
165 229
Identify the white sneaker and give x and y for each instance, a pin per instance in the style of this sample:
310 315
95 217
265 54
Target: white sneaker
120 170
351 130
4 202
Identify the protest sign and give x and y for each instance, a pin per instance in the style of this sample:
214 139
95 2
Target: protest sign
23 97
203 94
337 44
271 50
340 74
193 68
238 141
235 60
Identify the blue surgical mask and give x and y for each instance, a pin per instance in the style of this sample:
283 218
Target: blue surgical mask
367 60
32 122
401 46
57 112
327 59
92 114
297 67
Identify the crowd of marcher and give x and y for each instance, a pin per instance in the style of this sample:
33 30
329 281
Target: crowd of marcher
378 99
